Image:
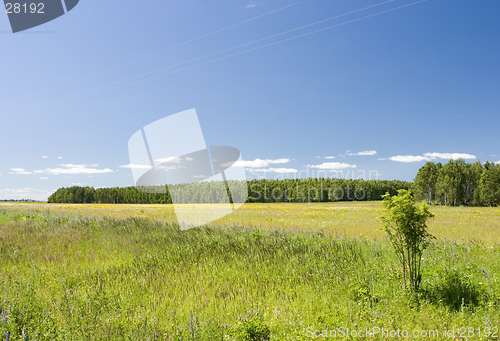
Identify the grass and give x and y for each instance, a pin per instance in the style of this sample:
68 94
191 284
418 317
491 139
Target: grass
93 273
346 219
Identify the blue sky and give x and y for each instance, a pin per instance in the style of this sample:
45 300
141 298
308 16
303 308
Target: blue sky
379 95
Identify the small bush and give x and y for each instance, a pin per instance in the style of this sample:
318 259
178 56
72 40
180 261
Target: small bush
405 224
456 290
251 328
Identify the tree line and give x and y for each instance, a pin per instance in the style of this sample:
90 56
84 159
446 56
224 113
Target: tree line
259 191
454 183
459 183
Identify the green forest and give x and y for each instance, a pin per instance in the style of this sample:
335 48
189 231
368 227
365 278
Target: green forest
459 183
259 191
454 183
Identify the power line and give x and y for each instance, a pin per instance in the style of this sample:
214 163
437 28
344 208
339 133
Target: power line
160 51
225 57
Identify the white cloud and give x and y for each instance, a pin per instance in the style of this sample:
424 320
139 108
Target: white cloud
274 170
74 169
173 159
200 176
132 166
430 157
366 152
191 159
70 165
45 157
409 158
59 157
333 166
44 178
24 193
329 157
447 156
171 167
498 163
251 4
283 170
19 171
258 163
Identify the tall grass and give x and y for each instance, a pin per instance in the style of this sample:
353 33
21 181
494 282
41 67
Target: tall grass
83 278
350 219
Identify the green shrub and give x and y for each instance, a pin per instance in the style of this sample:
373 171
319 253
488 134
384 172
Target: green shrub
405 224
456 290
251 328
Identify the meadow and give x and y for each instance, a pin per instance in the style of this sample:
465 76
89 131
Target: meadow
268 271
344 219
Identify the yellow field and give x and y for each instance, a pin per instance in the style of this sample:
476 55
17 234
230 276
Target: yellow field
350 219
